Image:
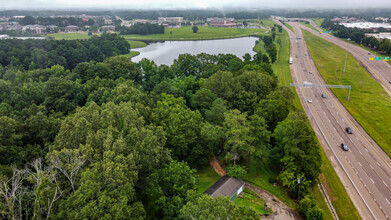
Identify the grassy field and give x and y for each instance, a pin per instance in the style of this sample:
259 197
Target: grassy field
131 54
309 25
69 36
336 191
204 33
318 21
288 26
136 44
252 200
206 178
377 53
370 105
260 174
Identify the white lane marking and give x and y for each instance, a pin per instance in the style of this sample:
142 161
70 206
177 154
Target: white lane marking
388 201
372 180
378 164
366 149
371 166
361 154
385 183
360 164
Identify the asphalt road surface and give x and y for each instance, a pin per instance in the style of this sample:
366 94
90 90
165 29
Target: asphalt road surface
365 169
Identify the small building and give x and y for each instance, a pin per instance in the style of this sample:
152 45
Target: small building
71 28
4 36
108 21
52 27
35 29
144 21
170 20
108 28
226 186
221 22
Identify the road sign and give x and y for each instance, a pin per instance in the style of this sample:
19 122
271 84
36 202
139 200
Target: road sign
371 58
386 59
377 58
330 32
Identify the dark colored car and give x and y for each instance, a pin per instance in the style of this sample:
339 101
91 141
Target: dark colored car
349 130
219 152
323 95
344 147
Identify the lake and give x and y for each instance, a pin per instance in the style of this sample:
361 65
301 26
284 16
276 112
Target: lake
165 52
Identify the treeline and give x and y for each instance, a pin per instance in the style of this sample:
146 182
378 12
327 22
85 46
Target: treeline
358 36
58 21
110 136
32 54
143 29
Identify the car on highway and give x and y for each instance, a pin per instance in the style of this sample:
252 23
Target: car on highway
323 95
344 147
309 100
310 72
389 82
349 130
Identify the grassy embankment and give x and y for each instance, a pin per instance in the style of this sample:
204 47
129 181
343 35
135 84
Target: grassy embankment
289 26
204 33
369 104
335 189
309 25
69 36
318 21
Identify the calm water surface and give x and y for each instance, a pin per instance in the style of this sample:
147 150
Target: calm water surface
165 52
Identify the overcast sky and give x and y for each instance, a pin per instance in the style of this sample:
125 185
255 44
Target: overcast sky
185 4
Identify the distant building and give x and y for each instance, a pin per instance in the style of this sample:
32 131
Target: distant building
35 29
108 28
221 22
52 27
170 20
226 186
380 36
108 21
367 25
71 28
144 21
4 36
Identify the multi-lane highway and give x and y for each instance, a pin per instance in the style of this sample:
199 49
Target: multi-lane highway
379 70
365 169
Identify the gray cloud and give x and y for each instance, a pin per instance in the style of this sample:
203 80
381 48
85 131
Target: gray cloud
184 4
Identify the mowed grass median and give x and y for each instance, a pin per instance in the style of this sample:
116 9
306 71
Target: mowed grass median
369 104
204 33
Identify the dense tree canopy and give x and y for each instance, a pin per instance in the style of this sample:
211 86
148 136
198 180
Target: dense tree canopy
32 54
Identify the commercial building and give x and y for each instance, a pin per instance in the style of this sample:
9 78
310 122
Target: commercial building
221 22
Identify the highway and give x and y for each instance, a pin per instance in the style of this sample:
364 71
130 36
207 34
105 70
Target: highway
365 169
379 70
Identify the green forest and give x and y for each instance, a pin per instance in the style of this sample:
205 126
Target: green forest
33 54
113 139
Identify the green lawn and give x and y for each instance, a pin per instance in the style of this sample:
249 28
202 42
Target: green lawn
309 25
262 175
69 36
369 104
252 200
341 201
204 33
289 26
136 44
206 178
318 21
131 54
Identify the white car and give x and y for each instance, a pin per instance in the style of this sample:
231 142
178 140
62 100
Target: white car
309 100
